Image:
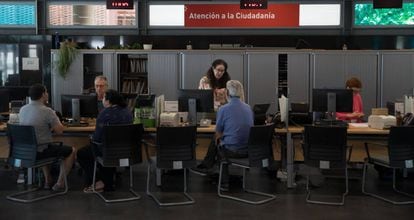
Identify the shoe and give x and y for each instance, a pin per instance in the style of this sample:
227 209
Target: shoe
47 186
224 187
90 190
201 169
202 166
58 188
20 179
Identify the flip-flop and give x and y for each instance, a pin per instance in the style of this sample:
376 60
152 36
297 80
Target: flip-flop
90 190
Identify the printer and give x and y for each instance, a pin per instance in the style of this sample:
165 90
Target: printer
381 121
169 119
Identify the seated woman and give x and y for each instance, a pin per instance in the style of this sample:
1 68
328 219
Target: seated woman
115 112
357 114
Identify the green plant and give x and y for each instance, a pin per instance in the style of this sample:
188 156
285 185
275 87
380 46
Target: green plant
67 53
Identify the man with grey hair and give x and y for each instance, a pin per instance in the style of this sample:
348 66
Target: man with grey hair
101 85
233 124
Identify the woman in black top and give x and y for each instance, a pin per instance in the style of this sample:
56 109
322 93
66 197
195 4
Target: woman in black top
115 112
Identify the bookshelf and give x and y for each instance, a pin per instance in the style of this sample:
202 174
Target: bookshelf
133 76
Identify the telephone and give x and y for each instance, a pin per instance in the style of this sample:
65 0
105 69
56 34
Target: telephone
408 119
276 120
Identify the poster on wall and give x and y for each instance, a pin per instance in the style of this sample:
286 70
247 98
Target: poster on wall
230 15
30 63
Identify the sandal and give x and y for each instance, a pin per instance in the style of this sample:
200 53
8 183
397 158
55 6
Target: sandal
90 190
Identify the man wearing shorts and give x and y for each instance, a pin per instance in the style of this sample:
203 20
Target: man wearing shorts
45 121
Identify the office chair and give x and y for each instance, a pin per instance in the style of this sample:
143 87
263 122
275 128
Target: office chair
175 147
121 147
400 156
260 155
325 147
23 151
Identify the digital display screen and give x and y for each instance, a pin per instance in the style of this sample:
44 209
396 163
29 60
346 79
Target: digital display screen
388 3
253 4
119 4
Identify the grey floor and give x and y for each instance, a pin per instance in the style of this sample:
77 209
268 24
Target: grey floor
290 203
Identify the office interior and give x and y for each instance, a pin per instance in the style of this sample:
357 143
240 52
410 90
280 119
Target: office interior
269 62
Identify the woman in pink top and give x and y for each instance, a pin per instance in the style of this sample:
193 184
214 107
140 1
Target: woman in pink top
357 114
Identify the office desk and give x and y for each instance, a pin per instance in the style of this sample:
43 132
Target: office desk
354 133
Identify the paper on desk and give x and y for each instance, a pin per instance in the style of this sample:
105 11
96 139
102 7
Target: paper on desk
358 125
283 104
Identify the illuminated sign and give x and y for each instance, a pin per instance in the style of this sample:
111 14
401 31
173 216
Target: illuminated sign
119 4
253 4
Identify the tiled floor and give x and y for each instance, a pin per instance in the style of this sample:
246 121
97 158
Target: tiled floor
290 203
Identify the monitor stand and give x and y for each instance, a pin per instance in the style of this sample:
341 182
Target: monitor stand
192 112
75 112
330 115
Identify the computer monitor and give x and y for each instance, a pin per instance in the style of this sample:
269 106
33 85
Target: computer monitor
195 100
18 92
4 101
76 106
259 111
332 100
299 113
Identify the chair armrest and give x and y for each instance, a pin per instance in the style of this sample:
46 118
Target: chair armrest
372 143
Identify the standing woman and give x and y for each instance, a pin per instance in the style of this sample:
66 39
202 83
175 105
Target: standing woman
357 111
216 78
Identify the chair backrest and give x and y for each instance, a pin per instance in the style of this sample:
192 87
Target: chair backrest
176 147
401 146
121 144
325 146
23 145
260 148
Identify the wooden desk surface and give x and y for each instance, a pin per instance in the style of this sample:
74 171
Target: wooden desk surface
351 130
90 129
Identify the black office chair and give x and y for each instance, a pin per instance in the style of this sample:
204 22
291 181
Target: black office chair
121 147
400 156
175 148
260 155
325 147
23 151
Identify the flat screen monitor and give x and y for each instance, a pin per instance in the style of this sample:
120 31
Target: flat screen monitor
204 99
344 100
88 105
259 111
388 3
18 92
4 100
195 102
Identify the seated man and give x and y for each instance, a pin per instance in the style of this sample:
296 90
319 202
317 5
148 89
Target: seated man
233 124
101 85
45 121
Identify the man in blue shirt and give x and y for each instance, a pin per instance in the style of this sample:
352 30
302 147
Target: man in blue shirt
233 124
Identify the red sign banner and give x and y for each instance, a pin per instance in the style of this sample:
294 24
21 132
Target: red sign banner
230 15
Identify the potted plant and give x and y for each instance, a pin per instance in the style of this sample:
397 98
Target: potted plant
67 53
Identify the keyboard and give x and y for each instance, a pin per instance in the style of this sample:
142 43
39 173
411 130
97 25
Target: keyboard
331 123
82 124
